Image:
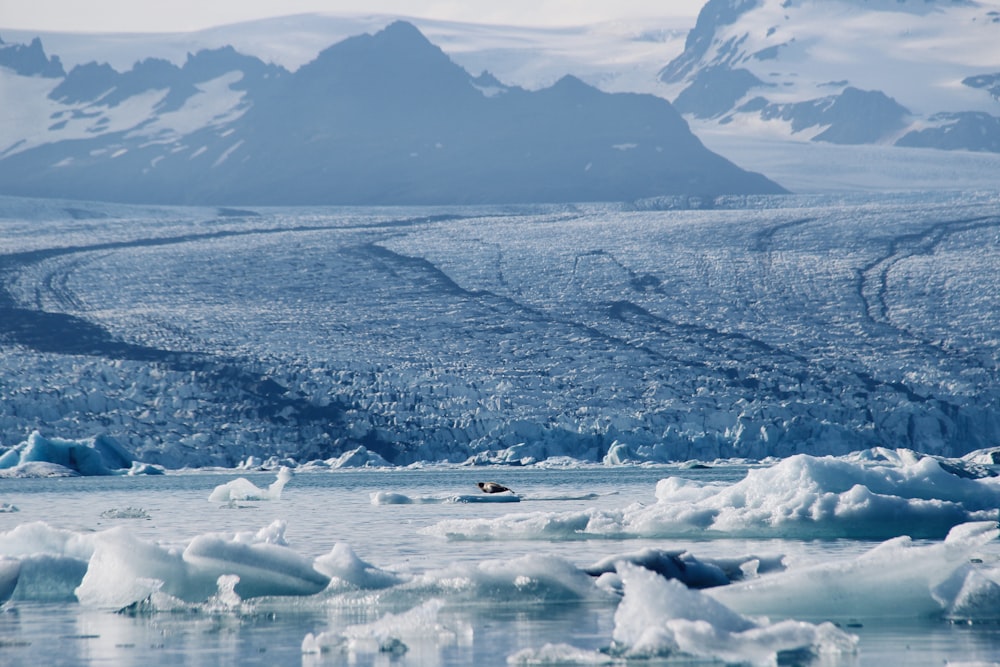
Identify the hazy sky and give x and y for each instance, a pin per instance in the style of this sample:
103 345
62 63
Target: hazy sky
189 15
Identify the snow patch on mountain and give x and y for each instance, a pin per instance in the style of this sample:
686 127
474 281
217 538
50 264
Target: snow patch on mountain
901 72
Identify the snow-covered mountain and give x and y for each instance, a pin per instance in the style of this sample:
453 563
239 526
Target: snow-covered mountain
616 56
942 44
375 119
914 73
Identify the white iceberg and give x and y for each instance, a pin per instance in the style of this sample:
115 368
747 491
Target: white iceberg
125 570
799 497
241 489
262 568
659 617
895 579
344 565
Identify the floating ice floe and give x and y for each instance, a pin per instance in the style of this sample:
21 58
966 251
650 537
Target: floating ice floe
241 489
54 457
988 456
394 498
799 497
343 565
263 569
394 634
661 617
660 610
685 567
531 579
895 579
125 570
125 513
114 568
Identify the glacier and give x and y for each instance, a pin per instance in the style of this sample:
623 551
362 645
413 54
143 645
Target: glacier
663 330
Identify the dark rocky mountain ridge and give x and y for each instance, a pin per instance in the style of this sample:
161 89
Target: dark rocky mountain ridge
385 118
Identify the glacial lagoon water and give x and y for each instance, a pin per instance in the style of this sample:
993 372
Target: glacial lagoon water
459 601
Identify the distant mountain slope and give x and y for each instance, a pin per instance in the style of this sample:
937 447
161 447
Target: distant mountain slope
904 72
375 119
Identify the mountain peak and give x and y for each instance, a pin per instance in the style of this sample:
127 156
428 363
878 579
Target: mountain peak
397 60
403 31
30 60
398 37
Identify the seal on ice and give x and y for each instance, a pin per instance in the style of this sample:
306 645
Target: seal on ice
492 487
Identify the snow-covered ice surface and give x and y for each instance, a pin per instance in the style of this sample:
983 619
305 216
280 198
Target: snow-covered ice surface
818 324
139 569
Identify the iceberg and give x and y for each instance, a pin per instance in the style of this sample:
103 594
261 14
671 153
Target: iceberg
799 497
243 489
10 571
395 498
685 567
359 457
659 618
826 497
535 579
345 566
125 570
262 568
393 634
53 457
893 580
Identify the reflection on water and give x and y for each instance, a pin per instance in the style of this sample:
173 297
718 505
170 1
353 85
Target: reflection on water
45 634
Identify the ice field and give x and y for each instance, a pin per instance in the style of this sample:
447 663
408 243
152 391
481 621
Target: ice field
760 327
